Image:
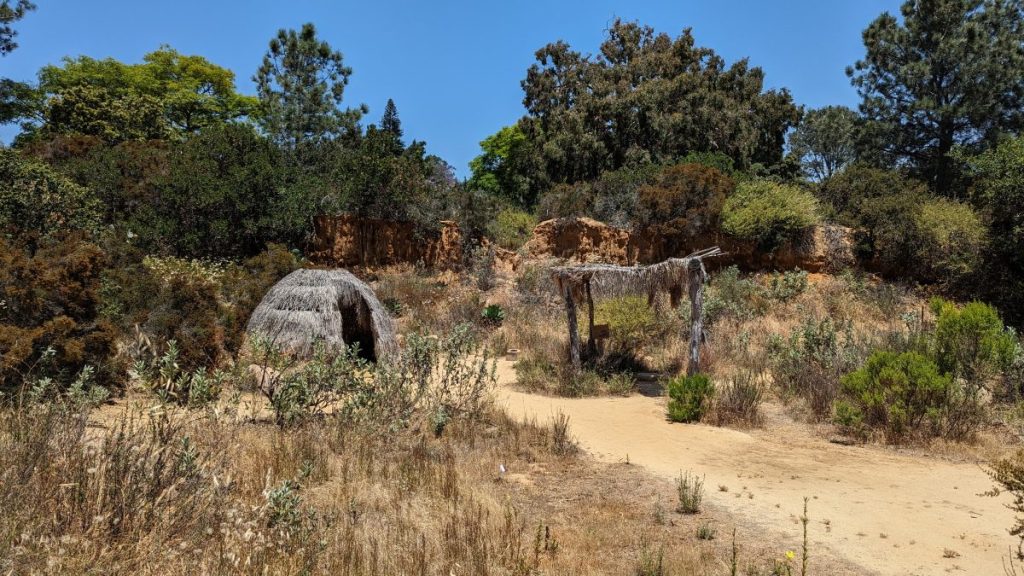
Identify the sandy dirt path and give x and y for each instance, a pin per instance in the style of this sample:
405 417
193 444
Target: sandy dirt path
891 513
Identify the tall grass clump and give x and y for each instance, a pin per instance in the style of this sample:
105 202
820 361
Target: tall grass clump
690 490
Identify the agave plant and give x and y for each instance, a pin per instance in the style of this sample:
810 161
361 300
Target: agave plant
493 314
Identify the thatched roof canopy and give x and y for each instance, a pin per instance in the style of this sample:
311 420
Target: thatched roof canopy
578 284
329 305
608 280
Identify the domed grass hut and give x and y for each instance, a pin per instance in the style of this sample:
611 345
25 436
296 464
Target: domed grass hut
329 305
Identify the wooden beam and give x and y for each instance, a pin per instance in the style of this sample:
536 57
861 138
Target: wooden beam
695 285
574 335
591 342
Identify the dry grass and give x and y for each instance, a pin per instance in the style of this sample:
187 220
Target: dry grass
185 493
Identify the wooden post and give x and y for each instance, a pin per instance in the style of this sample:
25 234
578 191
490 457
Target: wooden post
591 342
574 335
695 286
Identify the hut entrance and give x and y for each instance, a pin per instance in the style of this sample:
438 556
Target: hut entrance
356 328
676 276
329 306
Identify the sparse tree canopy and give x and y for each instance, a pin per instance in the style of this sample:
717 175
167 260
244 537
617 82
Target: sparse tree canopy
951 74
10 12
300 85
825 141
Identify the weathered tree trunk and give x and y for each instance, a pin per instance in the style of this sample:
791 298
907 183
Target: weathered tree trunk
574 335
695 285
591 342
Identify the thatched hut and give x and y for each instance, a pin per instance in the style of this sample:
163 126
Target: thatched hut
329 305
579 284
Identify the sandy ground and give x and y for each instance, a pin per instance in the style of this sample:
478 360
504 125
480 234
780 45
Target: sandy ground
891 513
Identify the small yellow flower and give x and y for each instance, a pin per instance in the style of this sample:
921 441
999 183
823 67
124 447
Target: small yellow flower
790 555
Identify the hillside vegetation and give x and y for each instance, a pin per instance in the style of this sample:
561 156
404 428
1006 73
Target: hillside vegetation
146 208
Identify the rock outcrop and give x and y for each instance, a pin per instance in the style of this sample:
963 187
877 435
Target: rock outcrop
348 241
585 240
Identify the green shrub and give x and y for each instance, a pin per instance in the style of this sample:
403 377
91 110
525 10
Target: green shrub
511 228
769 213
788 285
951 240
998 192
162 374
895 392
844 194
971 341
35 200
493 315
632 323
689 397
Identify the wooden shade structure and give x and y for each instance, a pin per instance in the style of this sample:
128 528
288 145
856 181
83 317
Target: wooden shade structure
578 284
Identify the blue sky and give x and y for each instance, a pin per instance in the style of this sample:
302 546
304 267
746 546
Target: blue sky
452 67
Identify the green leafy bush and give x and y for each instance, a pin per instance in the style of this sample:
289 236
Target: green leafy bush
493 314
844 194
998 193
163 376
951 243
35 200
511 228
971 341
631 322
895 392
788 285
769 213
689 397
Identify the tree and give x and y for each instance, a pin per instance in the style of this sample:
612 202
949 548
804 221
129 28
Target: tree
684 201
222 193
951 74
169 94
10 12
15 97
499 169
300 86
111 116
390 122
998 192
646 98
825 141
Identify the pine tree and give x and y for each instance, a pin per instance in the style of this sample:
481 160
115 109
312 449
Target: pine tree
300 86
390 121
950 74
